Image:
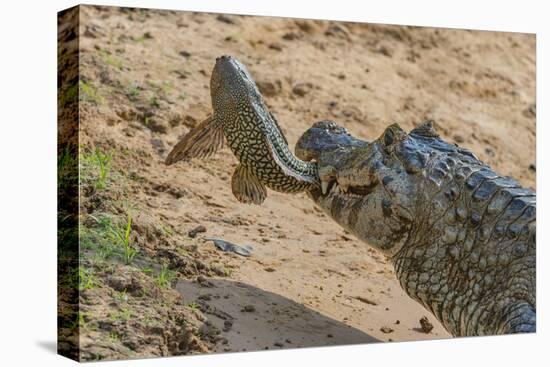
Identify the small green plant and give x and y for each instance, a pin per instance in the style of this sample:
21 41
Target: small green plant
147 270
227 271
122 236
183 252
153 101
147 320
198 333
121 296
80 322
126 313
67 169
103 161
165 278
111 60
86 279
96 236
167 231
132 90
193 306
113 337
88 93
70 95
96 166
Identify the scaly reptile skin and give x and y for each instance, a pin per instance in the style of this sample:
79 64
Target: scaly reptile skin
460 236
252 134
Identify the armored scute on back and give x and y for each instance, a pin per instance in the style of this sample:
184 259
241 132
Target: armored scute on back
241 116
460 235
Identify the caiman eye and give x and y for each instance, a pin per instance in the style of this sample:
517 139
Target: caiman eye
392 135
388 137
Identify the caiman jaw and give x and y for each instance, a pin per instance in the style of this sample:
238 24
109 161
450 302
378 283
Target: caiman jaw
329 145
331 185
327 174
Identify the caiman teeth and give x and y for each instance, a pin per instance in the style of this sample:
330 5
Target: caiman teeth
343 188
324 187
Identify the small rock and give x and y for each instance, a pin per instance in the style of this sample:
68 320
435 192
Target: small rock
269 89
384 51
189 121
530 111
291 36
426 325
156 125
205 297
305 26
158 145
248 308
204 282
301 89
532 167
199 229
147 35
366 300
336 30
185 54
278 344
227 325
459 139
397 322
288 341
275 46
269 269
225 19
329 335
341 76
386 330
490 152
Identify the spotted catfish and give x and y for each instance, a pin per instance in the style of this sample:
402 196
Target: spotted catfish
242 118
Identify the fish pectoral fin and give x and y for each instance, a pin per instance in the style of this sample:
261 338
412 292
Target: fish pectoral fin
246 186
201 142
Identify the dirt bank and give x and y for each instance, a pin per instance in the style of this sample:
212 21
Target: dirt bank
145 82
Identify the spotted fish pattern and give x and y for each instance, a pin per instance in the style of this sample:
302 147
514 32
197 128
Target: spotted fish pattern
253 135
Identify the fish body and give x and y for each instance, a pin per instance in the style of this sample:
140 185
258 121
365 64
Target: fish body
241 117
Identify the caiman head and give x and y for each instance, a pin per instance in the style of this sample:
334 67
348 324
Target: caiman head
367 187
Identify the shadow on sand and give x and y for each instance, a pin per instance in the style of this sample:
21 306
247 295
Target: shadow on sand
251 319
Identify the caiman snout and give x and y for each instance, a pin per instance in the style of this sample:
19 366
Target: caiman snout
324 137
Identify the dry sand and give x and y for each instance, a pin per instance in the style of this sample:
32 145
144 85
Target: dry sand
308 281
